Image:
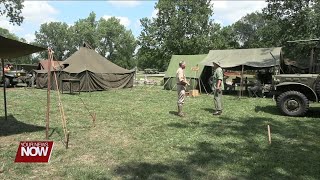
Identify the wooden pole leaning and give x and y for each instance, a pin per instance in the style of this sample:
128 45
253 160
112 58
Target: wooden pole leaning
48 93
4 91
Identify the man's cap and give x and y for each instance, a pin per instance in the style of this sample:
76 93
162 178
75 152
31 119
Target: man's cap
182 62
217 63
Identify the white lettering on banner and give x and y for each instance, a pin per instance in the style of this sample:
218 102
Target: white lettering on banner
34 151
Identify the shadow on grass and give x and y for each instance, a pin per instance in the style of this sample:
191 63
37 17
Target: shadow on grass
210 110
239 149
173 113
12 126
313 112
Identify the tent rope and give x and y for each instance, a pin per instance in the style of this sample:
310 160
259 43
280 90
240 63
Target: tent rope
93 115
60 105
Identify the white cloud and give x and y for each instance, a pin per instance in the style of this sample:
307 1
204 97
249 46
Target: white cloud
228 12
154 13
137 24
29 37
124 3
38 12
123 20
4 23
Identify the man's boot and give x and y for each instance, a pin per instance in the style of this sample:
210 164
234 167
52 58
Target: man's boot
217 113
180 111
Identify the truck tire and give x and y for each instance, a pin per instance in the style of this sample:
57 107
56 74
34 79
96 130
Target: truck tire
318 88
293 103
6 82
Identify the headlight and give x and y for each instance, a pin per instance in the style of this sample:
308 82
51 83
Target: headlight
18 74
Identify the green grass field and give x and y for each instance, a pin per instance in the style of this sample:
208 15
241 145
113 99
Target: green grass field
138 136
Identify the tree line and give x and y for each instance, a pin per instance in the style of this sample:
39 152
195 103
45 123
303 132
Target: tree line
180 27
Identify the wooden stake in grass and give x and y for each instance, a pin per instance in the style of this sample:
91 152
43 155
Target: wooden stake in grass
269 134
94 119
67 143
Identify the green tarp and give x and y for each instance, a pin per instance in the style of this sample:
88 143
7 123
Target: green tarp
11 48
191 62
252 58
94 71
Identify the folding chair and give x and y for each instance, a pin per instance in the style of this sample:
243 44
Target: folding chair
255 91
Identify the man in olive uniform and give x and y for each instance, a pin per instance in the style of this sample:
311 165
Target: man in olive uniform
217 87
181 86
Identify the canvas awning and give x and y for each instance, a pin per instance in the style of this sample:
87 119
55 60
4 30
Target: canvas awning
253 58
11 49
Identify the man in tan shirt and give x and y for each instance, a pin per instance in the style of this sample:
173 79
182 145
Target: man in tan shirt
181 86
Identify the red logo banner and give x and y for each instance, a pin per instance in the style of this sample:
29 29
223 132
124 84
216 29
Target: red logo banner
34 151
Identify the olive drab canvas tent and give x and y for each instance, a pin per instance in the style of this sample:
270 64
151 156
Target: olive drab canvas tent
195 77
11 49
94 71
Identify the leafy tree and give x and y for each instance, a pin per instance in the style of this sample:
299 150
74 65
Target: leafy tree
12 10
7 34
149 53
181 27
115 42
294 18
56 35
84 30
224 38
255 31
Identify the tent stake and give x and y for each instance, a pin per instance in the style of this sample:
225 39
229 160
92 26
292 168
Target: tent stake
269 134
67 142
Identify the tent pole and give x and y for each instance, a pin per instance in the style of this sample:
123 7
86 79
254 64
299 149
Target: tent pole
195 76
203 85
199 84
174 86
4 91
48 94
241 85
166 82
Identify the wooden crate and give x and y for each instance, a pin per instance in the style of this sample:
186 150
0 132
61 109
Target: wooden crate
194 93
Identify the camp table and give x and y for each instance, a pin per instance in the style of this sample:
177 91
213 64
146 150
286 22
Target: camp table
71 81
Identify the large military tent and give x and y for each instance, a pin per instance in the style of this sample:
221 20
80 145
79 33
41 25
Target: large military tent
192 62
94 71
249 58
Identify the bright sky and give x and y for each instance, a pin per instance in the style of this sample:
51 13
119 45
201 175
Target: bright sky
129 13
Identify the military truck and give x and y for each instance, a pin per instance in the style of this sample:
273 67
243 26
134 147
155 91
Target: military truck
294 92
151 71
12 78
